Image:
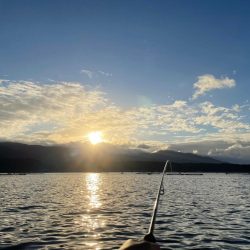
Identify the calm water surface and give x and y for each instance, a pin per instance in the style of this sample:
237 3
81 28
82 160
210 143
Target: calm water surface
101 211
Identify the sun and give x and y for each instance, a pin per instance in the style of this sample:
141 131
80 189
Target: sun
95 137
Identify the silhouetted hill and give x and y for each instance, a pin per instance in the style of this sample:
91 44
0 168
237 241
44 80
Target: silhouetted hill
17 157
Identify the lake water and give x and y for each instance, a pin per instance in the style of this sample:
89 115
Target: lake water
101 211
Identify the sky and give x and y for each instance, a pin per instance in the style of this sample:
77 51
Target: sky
147 74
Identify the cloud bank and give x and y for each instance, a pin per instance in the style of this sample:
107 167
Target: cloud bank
230 151
62 112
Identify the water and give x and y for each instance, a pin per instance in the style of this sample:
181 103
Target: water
101 211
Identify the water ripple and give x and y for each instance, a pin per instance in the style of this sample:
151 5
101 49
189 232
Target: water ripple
101 211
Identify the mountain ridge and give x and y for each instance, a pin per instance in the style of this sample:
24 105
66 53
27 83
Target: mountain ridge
19 157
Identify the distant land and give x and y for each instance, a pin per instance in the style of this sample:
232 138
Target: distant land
22 158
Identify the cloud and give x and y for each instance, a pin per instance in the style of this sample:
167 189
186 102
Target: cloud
208 82
105 73
3 80
234 151
62 112
88 73
226 120
143 146
25 105
195 151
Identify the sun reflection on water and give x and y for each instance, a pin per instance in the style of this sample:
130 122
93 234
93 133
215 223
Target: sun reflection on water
93 186
92 222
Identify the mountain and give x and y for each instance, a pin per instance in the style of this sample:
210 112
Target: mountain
17 157
232 159
121 152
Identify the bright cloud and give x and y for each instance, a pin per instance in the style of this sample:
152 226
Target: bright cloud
27 107
207 83
224 119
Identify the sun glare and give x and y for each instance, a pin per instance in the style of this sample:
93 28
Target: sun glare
95 137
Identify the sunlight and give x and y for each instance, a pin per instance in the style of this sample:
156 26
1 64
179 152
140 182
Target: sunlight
95 137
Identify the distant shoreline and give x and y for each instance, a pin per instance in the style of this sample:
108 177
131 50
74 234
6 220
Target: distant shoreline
128 167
